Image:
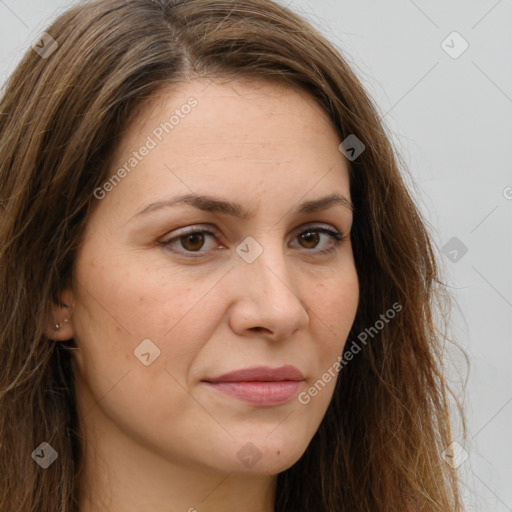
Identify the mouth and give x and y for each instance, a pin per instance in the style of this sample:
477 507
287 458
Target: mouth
258 392
261 385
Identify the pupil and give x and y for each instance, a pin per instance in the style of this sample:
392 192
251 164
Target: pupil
194 241
311 237
190 238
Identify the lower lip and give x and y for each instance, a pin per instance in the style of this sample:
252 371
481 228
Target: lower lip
260 393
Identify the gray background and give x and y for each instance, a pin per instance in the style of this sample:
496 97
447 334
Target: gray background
451 120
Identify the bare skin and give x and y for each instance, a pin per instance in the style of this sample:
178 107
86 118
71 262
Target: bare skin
159 438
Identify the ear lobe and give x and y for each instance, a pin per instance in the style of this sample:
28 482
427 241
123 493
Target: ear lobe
64 331
59 326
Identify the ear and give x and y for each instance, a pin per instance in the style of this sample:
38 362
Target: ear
61 315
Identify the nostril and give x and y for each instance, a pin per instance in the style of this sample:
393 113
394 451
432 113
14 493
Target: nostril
260 329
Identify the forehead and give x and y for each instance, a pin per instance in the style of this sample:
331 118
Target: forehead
242 139
234 112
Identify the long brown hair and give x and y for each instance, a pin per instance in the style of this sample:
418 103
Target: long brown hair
62 115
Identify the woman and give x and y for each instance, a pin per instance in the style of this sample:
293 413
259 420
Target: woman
218 293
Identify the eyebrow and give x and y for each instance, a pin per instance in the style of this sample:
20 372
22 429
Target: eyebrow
218 205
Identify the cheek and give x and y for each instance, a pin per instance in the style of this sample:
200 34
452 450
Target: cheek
333 306
154 311
125 302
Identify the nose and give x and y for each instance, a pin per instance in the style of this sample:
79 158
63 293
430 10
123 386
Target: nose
267 296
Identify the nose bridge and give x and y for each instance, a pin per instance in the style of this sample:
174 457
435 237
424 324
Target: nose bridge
264 263
267 285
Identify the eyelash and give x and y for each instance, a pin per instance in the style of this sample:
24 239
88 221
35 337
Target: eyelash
336 237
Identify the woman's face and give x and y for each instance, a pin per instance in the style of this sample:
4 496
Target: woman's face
159 314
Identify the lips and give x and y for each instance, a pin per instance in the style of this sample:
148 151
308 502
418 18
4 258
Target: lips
261 374
261 386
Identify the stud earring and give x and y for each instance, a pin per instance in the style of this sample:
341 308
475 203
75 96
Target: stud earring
56 327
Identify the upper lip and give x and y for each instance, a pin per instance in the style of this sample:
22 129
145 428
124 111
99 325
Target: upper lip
260 373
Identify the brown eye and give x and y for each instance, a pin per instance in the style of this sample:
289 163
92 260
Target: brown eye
192 241
311 238
195 244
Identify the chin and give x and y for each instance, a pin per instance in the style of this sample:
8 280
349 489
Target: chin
268 456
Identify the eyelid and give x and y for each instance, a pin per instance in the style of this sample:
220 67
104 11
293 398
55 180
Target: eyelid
317 225
336 238
208 228
192 229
